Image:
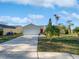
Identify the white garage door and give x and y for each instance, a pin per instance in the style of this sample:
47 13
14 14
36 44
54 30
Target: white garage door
31 29
31 32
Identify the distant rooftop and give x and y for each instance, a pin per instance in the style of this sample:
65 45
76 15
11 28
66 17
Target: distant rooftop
34 25
6 26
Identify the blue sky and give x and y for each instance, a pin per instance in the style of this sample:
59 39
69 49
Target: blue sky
23 12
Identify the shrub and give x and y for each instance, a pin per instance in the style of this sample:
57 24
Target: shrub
76 30
1 32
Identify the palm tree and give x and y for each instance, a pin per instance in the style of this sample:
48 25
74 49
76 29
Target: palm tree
57 18
69 26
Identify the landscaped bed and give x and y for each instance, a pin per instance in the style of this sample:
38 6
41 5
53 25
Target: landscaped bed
8 37
68 44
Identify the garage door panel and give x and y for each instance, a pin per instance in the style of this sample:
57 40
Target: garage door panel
31 32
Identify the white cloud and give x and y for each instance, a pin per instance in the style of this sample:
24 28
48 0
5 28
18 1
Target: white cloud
69 16
66 3
64 12
45 3
35 16
19 20
75 15
15 20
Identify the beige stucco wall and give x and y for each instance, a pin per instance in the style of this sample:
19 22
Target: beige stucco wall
16 30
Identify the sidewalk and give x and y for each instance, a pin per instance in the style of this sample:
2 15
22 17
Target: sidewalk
56 55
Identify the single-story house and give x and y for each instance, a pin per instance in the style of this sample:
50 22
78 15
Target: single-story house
32 29
10 29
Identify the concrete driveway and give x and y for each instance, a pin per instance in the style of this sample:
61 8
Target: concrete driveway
25 47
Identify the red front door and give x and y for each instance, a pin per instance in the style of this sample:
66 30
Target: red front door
41 30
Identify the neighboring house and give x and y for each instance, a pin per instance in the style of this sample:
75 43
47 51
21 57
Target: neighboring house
14 29
32 29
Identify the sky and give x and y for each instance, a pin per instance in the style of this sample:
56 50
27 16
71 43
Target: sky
23 12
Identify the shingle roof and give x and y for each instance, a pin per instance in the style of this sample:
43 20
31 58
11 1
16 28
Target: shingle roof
34 26
6 26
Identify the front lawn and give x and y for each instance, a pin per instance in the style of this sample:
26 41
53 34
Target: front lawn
59 44
9 37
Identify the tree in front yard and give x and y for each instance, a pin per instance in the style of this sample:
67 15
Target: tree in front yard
69 26
49 29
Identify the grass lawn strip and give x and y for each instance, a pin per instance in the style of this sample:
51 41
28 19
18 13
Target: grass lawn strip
7 38
62 44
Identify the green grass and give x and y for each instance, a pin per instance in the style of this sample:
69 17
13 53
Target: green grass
7 38
62 44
